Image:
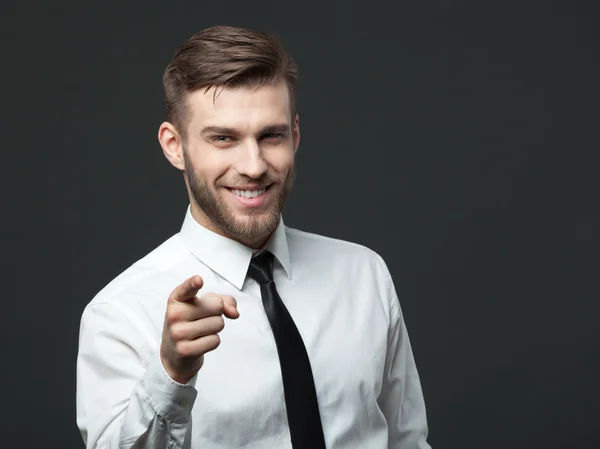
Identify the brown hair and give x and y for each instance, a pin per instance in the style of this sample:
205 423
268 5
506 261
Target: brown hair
225 56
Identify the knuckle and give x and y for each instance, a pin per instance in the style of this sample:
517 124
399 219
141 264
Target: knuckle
213 302
173 315
182 349
191 284
220 304
206 299
178 331
215 324
213 341
177 291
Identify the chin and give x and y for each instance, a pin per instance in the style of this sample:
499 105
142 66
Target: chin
253 227
266 221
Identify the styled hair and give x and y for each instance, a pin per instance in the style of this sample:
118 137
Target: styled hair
225 56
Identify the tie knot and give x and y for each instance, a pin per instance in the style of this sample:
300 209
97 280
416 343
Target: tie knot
261 268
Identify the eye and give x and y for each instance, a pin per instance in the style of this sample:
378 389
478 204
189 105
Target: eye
274 136
221 138
223 141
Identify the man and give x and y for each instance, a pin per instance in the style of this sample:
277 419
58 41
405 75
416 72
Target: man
239 332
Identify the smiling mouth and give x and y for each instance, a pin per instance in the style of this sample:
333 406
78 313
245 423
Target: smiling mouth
248 193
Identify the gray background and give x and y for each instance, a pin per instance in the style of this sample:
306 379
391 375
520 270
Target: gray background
457 139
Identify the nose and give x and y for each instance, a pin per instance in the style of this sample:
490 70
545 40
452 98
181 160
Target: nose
250 161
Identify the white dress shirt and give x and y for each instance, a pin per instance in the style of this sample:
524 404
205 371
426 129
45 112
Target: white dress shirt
344 303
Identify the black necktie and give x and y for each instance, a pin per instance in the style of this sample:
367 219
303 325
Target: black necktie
298 384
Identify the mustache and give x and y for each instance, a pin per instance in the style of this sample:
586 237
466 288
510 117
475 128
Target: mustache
265 179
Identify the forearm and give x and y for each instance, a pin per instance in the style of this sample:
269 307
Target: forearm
402 402
157 414
125 399
401 399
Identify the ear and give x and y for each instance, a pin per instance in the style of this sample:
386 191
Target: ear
296 132
172 145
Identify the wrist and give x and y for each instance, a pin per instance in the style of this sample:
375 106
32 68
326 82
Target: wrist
181 377
168 397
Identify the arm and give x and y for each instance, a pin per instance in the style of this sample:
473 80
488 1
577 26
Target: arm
401 398
125 399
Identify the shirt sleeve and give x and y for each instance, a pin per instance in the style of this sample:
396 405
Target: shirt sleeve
401 398
125 398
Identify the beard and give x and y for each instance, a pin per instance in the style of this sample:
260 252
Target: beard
254 226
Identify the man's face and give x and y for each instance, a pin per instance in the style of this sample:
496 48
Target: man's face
239 159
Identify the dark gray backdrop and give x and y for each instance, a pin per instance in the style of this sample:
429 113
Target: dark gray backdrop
459 140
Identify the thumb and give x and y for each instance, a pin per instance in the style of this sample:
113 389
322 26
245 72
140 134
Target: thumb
231 310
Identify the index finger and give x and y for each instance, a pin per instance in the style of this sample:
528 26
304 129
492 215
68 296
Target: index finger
187 289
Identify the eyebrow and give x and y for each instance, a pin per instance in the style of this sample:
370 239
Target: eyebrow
271 129
276 129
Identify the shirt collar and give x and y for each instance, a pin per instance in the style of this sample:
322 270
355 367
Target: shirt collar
229 258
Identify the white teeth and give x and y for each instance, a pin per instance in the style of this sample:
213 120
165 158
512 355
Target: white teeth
248 193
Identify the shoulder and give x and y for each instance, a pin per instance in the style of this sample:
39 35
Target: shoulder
333 252
357 272
329 245
153 275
